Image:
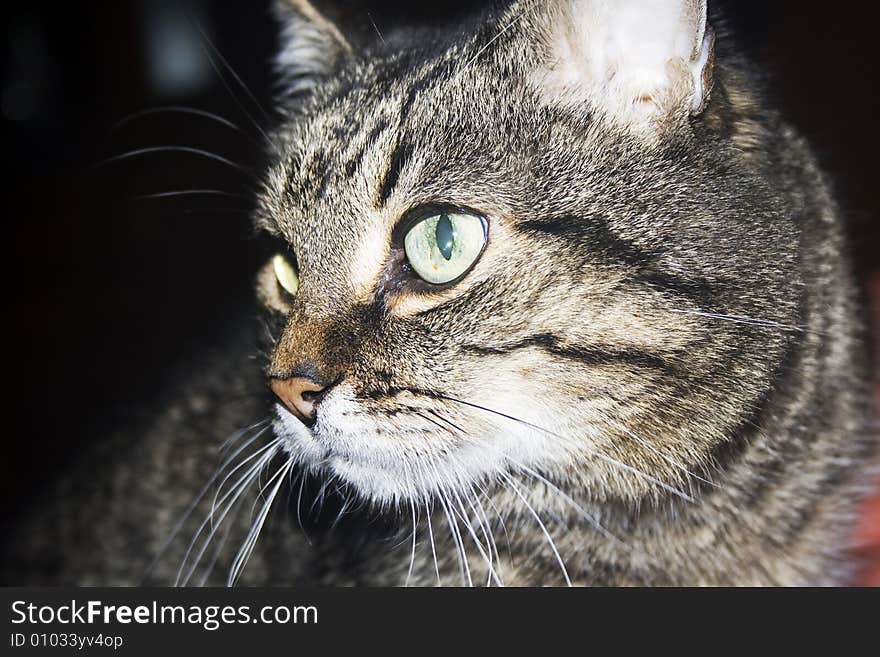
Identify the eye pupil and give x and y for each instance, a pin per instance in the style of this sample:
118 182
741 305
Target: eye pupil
442 247
445 234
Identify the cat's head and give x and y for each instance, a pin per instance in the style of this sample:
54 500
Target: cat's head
527 243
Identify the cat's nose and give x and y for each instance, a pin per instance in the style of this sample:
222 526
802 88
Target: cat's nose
300 395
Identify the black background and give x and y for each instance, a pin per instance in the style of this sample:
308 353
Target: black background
105 292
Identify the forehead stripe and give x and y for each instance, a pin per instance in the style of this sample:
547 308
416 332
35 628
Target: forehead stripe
351 166
399 158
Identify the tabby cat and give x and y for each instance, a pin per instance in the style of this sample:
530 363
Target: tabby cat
557 299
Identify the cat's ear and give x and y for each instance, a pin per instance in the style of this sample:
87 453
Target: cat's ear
312 46
642 63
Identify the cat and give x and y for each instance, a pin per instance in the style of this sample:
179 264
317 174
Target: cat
557 298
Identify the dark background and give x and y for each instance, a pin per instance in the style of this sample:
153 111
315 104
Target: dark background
106 292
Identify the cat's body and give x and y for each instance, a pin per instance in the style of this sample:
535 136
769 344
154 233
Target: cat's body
653 375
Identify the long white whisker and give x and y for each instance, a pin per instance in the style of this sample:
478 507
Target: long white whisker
177 193
178 109
219 545
645 476
486 527
176 149
540 524
742 319
583 512
586 515
431 536
235 75
203 491
237 435
498 514
412 557
493 40
469 526
302 483
648 446
235 492
235 495
250 541
490 561
270 446
595 453
453 528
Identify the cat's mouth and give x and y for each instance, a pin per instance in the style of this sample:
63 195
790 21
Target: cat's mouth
342 437
385 456
398 449
328 451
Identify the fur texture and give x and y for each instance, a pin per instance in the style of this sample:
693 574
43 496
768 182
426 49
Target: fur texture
653 375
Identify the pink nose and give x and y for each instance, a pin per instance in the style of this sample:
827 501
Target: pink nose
299 394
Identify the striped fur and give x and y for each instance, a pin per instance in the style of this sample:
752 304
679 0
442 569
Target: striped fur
607 314
654 374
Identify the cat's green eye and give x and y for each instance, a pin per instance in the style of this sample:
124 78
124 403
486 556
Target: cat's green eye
443 247
285 274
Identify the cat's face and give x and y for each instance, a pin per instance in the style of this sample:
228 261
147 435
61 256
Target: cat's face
491 267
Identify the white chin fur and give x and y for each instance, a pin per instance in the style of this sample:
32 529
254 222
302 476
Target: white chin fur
390 464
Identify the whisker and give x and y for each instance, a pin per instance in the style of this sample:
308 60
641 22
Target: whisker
302 483
318 502
207 40
233 495
174 149
541 525
486 528
595 453
179 109
742 319
456 534
212 562
346 503
648 446
589 517
189 192
470 529
262 487
237 435
434 422
431 536
498 514
412 558
448 421
247 547
493 40
214 211
453 528
202 492
271 446
487 558
645 476
235 492
376 27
